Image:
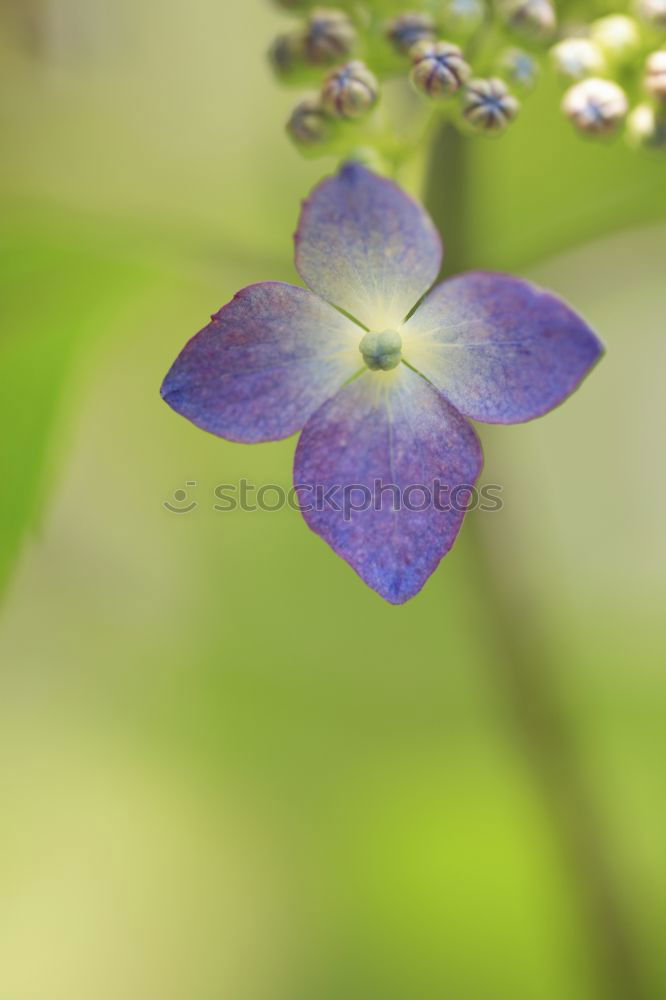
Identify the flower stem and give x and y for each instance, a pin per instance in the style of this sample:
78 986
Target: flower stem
525 671
447 187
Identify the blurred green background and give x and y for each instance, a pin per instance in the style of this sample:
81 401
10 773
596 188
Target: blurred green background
227 769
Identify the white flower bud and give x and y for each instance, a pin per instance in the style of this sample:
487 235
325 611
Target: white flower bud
329 36
596 107
576 58
533 18
488 106
351 91
406 30
646 127
309 125
652 11
655 75
617 36
462 17
286 52
439 68
520 67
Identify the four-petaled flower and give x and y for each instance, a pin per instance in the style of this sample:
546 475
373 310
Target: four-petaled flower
382 398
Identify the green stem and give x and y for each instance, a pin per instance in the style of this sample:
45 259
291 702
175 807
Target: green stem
446 185
523 667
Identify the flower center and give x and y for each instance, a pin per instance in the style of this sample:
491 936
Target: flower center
381 351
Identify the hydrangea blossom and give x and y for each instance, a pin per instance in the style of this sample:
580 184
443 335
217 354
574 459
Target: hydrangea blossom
380 376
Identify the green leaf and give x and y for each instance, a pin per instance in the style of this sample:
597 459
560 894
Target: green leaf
58 289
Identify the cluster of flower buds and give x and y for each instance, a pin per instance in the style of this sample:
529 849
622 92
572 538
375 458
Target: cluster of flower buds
608 66
468 59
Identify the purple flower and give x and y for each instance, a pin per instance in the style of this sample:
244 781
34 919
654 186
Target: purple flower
381 398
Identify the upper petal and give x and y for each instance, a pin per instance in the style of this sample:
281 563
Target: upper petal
266 362
499 348
383 430
366 246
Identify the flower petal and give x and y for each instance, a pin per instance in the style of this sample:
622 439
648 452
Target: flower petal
500 349
367 247
266 362
387 429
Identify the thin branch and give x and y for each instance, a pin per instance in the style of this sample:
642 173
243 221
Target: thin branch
523 668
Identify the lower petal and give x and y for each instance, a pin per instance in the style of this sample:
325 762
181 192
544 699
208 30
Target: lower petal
383 473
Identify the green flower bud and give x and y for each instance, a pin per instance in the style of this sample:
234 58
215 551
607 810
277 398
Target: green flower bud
286 52
329 36
617 36
381 351
532 18
309 125
520 68
488 106
439 68
350 91
646 127
596 107
406 30
655 75
653 11
577 58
